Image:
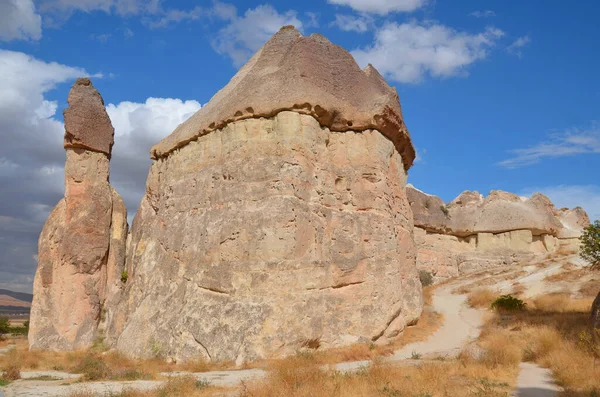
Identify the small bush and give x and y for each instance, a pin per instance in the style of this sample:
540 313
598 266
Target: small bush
4 325
445 210
11 372
124 276
590 244
93 368
508 303
425 277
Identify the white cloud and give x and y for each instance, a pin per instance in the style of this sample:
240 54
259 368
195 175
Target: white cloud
381 7
32 155
19 20
517 45
408 52
353 23
120 7
483 14
570 196
138 126
572 142
244 35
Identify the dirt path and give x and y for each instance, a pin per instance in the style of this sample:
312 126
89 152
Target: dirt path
462 325
535 381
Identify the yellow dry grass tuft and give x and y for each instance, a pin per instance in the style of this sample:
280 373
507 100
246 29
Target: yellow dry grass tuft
481 298
174 387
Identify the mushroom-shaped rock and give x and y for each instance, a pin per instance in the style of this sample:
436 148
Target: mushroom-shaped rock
276 218
80 247
308 75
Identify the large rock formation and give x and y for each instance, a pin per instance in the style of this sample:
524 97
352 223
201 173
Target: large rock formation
474 232
81 248
276 217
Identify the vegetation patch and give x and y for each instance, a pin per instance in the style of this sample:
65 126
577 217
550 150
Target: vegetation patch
508 303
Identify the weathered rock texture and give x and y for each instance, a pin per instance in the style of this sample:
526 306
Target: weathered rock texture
472 233
308 75
81 245
275 217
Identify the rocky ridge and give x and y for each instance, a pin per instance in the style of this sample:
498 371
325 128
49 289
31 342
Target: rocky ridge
473 232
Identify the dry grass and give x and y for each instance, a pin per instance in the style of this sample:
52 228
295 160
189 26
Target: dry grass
174 387
481 298
590 288
560 303
96 366
301 376
555 333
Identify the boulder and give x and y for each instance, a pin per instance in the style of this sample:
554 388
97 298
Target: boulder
80 237
276 217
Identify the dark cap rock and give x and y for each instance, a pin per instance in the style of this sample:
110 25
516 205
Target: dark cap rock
87 125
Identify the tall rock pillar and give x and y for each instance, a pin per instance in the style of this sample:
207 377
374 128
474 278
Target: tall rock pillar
80 250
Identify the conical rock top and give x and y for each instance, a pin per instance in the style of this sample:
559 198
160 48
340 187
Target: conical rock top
87 125
309 75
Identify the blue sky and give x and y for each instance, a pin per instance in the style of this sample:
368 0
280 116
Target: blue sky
496 94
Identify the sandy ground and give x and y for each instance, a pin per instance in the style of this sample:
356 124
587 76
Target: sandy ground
535 381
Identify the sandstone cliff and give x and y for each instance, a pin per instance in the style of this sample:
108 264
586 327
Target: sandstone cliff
473 232
276 217
81 245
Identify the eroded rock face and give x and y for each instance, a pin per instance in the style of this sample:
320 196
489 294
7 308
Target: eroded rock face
265 235
473 232
81 239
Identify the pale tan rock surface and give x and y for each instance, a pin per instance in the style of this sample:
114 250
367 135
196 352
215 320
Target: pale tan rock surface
474 232
265 235
308 75
79 239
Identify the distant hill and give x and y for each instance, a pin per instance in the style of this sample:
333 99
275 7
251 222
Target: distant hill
22 296
14 303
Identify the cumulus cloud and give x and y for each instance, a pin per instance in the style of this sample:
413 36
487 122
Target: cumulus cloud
138 126
32 157
353 23
244 35
483 14
572 142
516 47
570 196
19 20
381 7
410 51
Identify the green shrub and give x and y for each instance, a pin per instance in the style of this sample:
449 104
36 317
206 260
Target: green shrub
4 325
590 244
508 303
124 276
445 210
425 277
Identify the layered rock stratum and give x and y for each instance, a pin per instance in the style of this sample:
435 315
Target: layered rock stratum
474 232
81 245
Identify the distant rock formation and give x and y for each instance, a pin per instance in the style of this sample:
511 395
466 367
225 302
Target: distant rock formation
472 232
81 247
